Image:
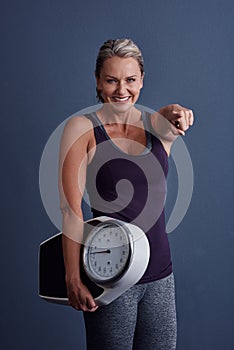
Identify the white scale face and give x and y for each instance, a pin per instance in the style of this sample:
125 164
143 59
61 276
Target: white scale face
107 253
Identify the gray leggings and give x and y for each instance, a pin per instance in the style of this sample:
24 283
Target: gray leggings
143 318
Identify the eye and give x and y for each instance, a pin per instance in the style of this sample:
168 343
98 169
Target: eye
111 81
131 80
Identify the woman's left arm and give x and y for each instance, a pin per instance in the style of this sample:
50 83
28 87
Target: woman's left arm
170 122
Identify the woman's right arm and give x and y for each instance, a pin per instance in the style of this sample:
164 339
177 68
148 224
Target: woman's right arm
72 176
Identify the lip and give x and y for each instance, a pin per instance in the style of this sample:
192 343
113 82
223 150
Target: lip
118 99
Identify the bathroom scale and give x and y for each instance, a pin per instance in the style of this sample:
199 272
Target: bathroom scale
114 256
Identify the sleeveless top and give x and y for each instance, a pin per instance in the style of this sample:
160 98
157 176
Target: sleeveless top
132 188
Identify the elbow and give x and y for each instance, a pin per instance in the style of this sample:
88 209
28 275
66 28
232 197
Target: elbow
65 210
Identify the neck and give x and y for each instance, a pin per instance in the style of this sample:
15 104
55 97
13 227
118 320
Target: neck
113 114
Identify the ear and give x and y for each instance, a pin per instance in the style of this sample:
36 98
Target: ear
142 80
97 82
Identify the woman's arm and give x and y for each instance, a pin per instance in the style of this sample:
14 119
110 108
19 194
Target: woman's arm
170 122
72 177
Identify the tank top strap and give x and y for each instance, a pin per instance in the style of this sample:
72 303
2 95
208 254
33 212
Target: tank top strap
148 128
98 128
147 122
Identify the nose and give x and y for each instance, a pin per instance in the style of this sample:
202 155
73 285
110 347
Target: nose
121 88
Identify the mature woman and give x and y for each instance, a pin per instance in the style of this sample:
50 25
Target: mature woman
144 317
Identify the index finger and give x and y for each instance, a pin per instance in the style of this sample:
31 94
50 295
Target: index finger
181 113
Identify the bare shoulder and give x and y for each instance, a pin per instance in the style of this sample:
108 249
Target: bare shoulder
77 135
77 128
79 125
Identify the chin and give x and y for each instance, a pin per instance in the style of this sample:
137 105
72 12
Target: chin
121 107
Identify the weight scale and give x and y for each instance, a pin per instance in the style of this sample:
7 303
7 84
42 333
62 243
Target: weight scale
114 256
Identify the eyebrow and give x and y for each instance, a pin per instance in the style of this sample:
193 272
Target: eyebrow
131 76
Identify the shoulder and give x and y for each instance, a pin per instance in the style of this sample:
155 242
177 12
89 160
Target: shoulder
79 124
77 128
76 135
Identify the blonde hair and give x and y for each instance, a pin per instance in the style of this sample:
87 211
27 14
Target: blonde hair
121 48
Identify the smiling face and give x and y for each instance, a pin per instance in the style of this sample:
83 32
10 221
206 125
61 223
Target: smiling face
120 81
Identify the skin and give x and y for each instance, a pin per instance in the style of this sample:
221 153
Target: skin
120 83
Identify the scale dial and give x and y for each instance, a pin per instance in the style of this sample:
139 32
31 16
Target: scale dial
107 252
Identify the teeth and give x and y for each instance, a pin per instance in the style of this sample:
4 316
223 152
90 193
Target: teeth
121 99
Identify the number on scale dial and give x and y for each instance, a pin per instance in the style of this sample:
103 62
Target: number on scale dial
108 253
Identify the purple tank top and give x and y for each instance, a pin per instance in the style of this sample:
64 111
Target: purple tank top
132 188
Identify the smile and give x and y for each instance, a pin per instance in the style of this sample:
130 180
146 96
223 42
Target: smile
121 99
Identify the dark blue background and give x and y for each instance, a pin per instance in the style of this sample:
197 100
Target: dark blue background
48 51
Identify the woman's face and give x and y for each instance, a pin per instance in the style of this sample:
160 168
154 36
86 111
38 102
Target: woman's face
120 81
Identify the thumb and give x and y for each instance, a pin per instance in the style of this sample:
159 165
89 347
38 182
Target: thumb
91 302
176 131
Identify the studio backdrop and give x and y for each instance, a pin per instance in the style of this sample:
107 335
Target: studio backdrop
48 52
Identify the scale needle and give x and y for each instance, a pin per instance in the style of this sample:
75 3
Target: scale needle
101 251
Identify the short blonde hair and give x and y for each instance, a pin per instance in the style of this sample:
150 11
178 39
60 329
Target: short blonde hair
121 48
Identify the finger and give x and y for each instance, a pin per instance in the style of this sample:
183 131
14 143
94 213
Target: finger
90 303
91 309
180 132
187 117
176 120
191 117
85 308
75 305
182 118
85 304
76 302
181 121
176 114
184 125
176 129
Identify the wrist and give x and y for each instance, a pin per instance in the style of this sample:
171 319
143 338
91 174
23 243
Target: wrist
73 278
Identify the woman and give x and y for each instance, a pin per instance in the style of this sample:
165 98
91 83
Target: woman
144 317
